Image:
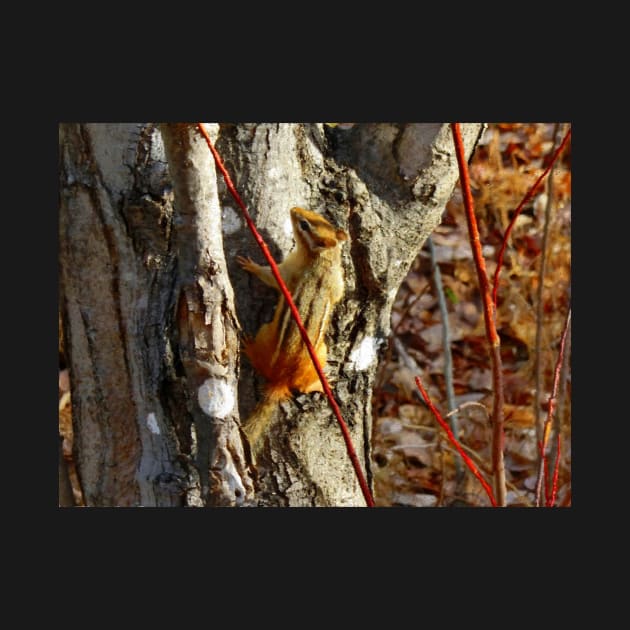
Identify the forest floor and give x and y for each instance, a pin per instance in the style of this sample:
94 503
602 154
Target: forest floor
414 464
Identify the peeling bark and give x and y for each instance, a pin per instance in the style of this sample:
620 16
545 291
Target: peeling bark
206 325
116 277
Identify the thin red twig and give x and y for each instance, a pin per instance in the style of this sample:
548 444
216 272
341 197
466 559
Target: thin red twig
526 198
545 474
296 316
551 406
556 469
469 462
498 463
542 272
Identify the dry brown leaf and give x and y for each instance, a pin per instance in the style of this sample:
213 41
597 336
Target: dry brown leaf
521 416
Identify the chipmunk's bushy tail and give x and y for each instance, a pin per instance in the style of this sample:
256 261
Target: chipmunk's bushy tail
259 420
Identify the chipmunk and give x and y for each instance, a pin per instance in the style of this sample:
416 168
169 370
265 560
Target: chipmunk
314 276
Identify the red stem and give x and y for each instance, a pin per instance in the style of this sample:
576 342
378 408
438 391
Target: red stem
556 469
498 463
551 406
526 198
546 476
453 439
296 316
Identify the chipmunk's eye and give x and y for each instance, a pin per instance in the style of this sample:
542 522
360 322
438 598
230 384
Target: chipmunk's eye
305 225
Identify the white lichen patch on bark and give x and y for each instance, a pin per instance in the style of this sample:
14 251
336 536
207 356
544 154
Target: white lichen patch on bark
231 220
364 354
234 481
152 424
216 398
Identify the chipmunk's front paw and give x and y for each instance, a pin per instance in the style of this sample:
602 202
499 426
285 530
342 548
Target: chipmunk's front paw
248 264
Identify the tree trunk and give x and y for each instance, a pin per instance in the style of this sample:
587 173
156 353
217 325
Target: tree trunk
206 320
151 323
133 436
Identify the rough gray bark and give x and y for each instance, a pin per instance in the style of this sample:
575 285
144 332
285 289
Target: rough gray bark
148 315
387 185
133 441
206 320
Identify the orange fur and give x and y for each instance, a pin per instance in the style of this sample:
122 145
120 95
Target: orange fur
313 274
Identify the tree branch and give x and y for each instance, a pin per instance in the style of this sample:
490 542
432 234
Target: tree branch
550 408
206 322
489 317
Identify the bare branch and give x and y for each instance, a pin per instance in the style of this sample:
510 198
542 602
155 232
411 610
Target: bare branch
551 407
489 312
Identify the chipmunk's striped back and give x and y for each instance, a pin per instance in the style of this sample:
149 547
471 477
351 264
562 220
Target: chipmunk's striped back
313 274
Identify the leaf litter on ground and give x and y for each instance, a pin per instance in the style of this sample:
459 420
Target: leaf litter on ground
414 464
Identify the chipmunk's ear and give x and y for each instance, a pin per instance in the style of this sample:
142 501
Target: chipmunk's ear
341 235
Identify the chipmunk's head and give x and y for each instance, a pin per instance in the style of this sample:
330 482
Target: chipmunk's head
313 232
